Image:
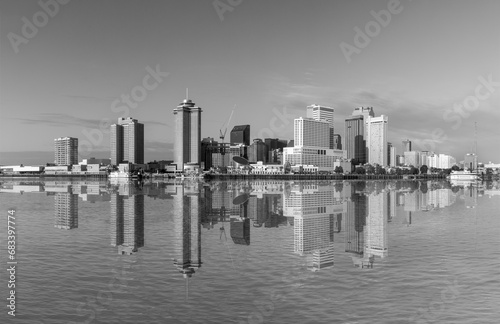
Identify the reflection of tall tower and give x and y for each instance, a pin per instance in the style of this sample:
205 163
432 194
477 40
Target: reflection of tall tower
313 208
376 225
127 222
355 221
66 210
187 227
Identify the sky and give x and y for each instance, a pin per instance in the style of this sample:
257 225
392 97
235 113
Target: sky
72 69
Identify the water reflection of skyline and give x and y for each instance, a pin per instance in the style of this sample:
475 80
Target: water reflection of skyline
328 219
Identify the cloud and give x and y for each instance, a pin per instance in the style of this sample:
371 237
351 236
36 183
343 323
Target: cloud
60 120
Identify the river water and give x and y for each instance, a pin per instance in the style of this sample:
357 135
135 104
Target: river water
253 252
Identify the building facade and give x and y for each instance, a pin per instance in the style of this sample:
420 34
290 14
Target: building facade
376 142
187 143
66 151
127 141
240 134
324 113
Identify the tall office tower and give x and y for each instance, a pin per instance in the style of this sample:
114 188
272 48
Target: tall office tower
187 205
376 225
66 210
310 132
318 112
240 135
391 155
187 144
258 151
406 145
337 142
354 137
127 221
127 141
376 139
116 144
66 150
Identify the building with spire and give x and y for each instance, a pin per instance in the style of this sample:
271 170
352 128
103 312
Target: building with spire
187 143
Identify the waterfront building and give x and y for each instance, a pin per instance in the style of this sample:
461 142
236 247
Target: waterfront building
412 158
127 141
324 113
240 135
376 140
187 142
470 161
309 132
391 155
258 151
66 151
354 137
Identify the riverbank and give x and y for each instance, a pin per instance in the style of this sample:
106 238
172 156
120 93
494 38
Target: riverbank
322 177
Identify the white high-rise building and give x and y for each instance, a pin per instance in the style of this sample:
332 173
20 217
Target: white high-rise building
311 133
376 139
66 150
318 112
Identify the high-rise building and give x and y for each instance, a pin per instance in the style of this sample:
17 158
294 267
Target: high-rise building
258 151
187 144
240 135
391 155
318 112
406 145
412 158
310 132
337 142
66 150
354 137
127 141
376 140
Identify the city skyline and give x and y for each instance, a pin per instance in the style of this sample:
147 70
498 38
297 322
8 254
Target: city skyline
78 78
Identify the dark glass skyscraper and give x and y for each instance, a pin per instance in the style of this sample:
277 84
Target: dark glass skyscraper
240 134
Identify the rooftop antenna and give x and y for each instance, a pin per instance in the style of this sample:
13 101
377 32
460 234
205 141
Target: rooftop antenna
187 93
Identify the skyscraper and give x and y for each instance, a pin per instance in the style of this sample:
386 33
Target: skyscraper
318 112
354 137
391 155
406 145
66 150
376 140
187 144
240 135
310 132
127 141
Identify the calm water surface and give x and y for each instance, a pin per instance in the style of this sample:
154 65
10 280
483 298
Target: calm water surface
254 252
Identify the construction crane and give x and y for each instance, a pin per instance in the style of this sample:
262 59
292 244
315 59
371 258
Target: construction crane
223 135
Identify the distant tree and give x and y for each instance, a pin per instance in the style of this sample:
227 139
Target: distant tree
424 169
455 168
447 171
370 169
338 169
379 169
360 170
413 170
287 167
